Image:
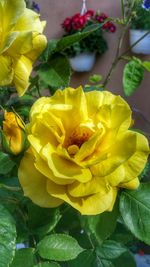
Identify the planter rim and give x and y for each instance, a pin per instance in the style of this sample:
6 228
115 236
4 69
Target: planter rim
84 53
139 30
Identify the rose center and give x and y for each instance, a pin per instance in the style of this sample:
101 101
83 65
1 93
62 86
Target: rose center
77 139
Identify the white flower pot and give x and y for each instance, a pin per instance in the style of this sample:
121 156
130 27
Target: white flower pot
143 47
83 62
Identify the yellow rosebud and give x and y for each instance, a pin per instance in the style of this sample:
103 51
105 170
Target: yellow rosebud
21 43
81 151
13 133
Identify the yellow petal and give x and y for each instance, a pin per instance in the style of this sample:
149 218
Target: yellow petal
92 205
38 107
118 154
64 168
6 70
22 69
116 177
34 183
43 168
133 184
136 163
8 41
89 146
78 189
10 12
109 109
39 43
21 45
29 21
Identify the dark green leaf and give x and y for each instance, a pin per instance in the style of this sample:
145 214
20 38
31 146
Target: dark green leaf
6 164
23 257
7 237
42 220
102 263
56 73
51 46
47 264
124 260
59 247
100 225
132 76
122 234
110 250
135 210
86 258
71 39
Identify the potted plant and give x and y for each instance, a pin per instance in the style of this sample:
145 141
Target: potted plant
140 27
82 54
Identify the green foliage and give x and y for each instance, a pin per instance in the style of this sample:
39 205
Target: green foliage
54 70
124 259
110 250
95 78
6 163
24 256
135 210
145 175
133 75
7 237
100 226
48 264
76 37
56 73
141 17
95 42
59 247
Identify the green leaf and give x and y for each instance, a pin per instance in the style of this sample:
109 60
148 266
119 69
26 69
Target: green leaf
135 210
110 250
133 75
124 260
7 237
6 164
47 264
102 263
100 225
59 247
57 72
42 220
23 257
122 234
146 65
71 39
86 258
95 78
50 49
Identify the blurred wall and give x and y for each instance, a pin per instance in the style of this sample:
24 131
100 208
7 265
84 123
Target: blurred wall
55 11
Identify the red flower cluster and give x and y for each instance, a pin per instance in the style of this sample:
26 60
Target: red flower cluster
78 21
108 25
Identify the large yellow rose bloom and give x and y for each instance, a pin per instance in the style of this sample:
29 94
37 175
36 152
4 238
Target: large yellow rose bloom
21 42
81 151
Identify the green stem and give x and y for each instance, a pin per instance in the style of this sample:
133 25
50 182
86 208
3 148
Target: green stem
122 9
119 57
10 188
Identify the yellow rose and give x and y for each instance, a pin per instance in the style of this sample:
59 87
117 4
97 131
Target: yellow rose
21 43
13 133
81 151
